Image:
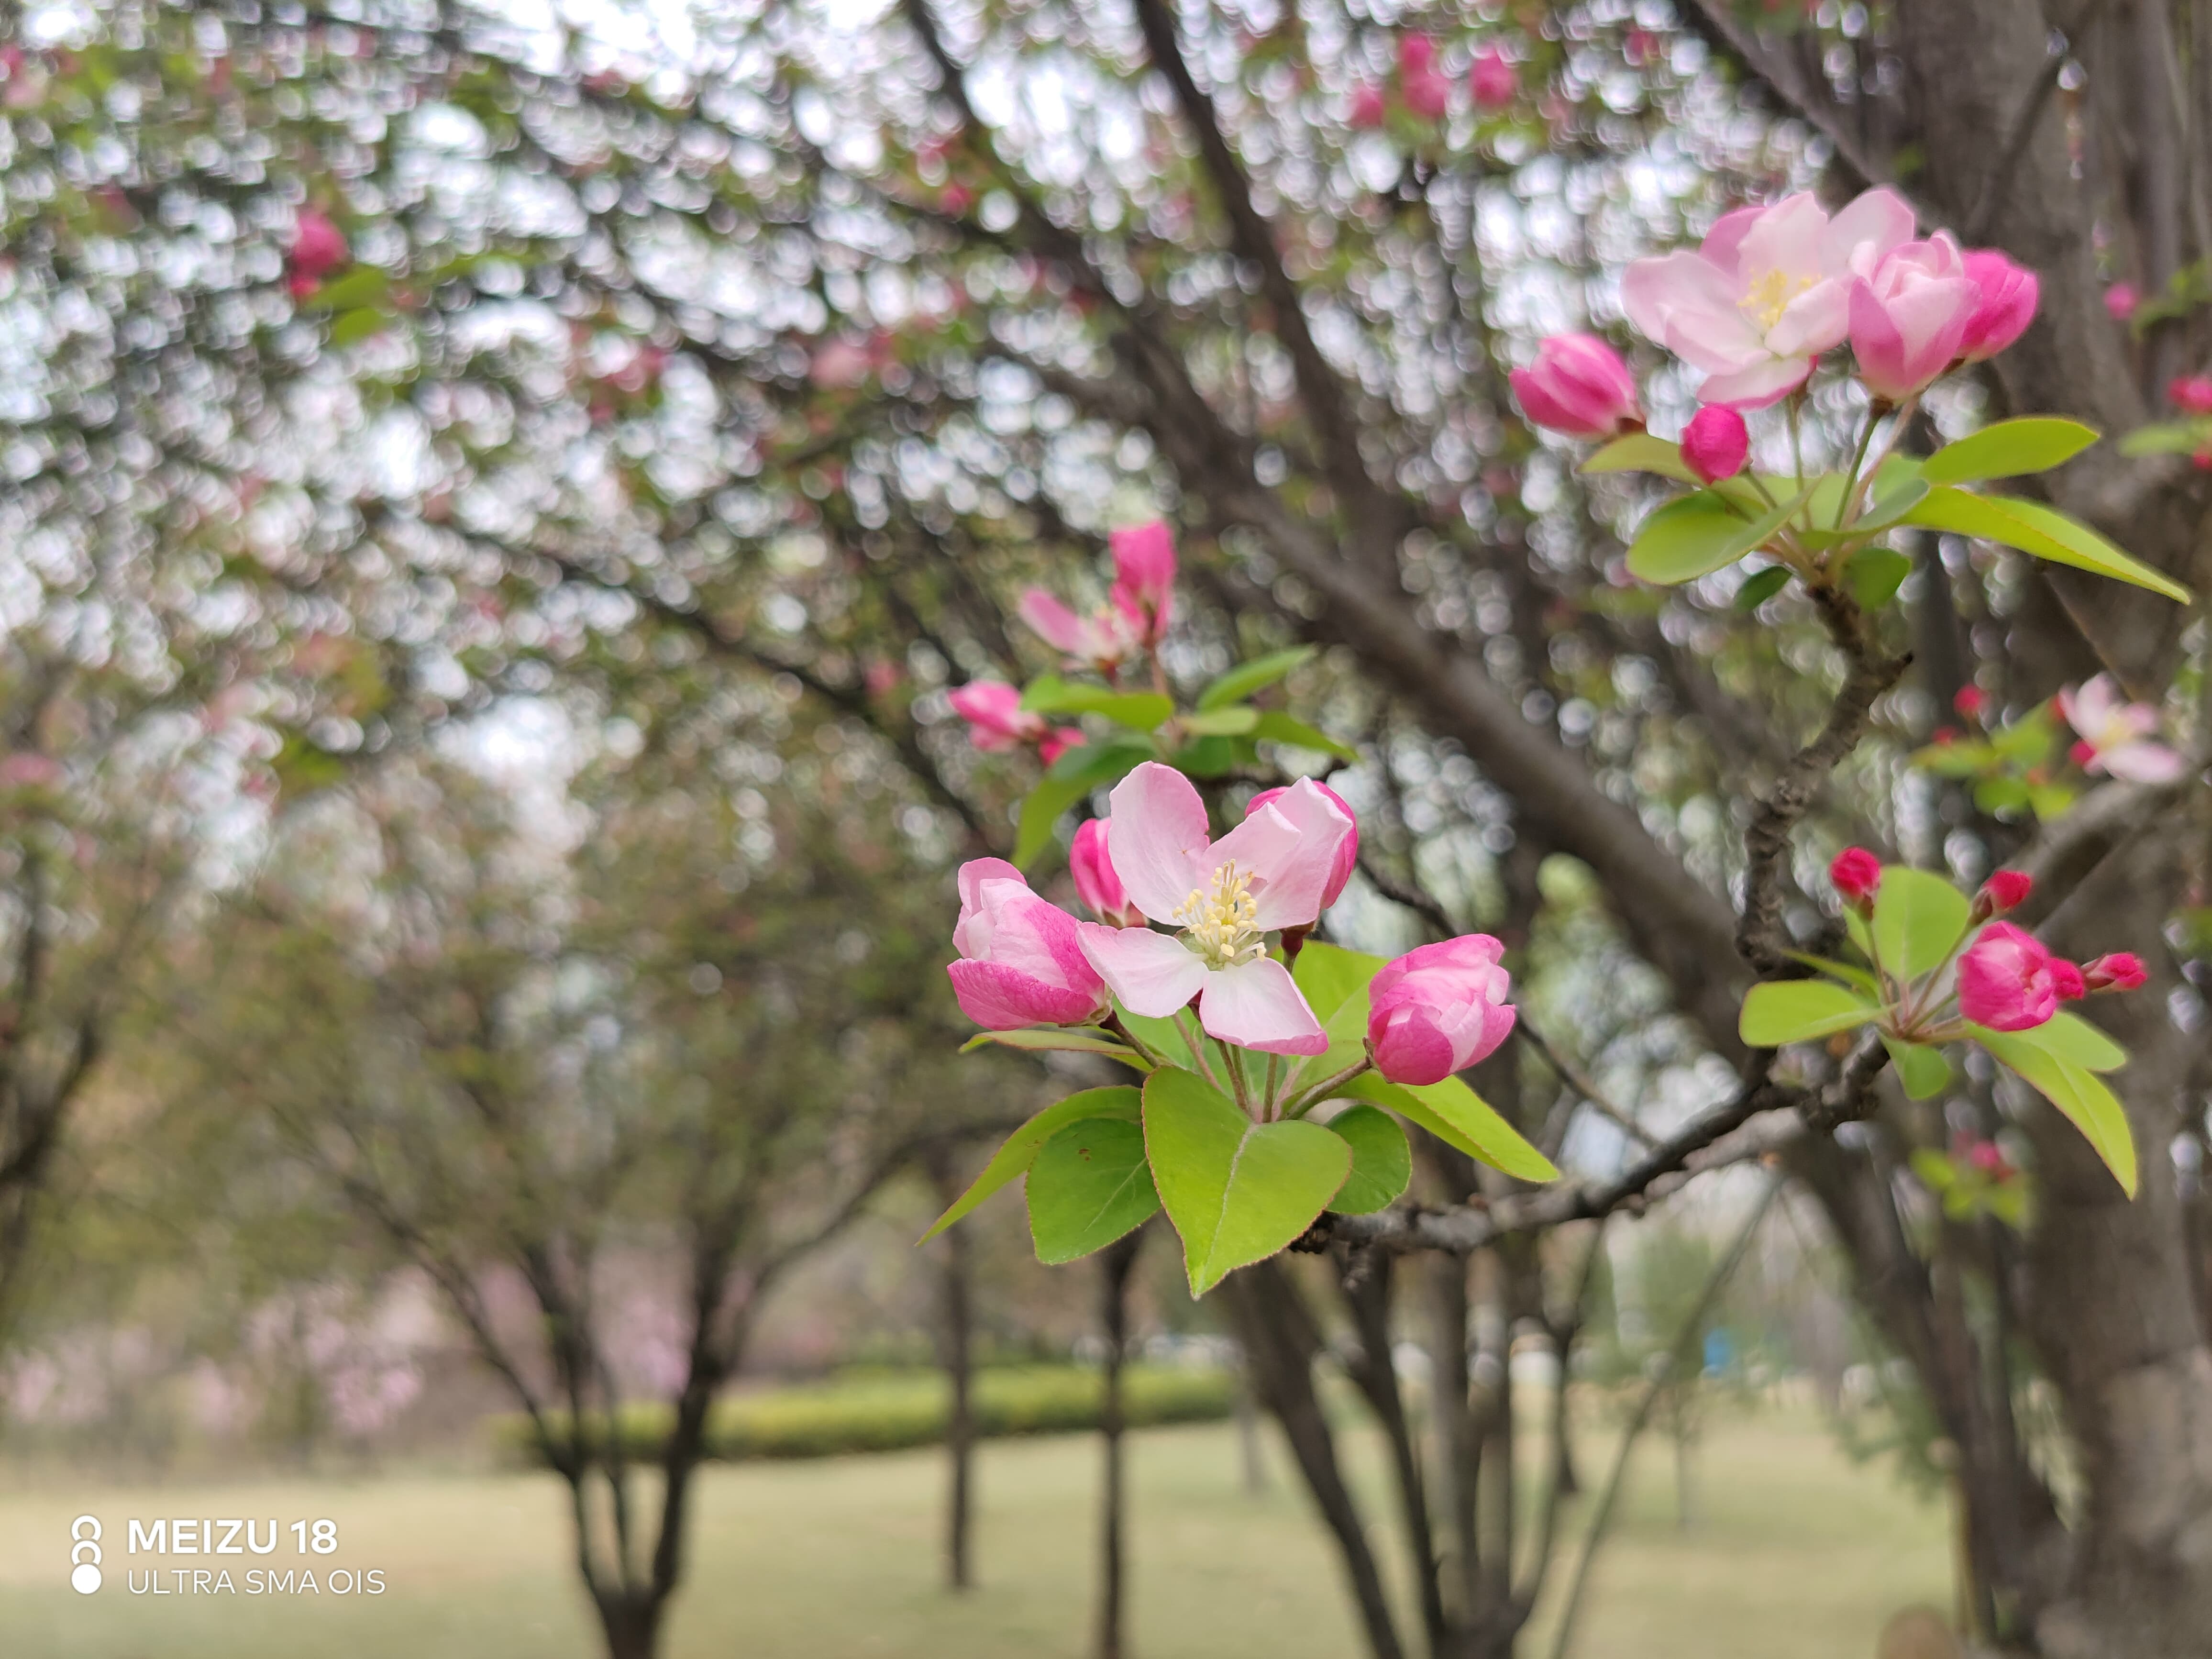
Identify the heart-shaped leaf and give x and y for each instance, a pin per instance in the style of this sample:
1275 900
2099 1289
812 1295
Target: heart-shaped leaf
1022 1146
1382 1162
1917 919
1238 1191
1089 1185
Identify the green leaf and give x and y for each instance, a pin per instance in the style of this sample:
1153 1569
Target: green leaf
1208 758
1917 920
1233 722
1238 1191
1022 1146
1876 574
1066 1039
1698 534
1382 1162
2036 529
1279 727
1855 928
1067 780
1639 451
2070 1037
363 285
1257 675
1888 508
1459 1117
1794 1009
1842 970
2168 438
352 326
1142 711
2009 449
1923 1070
1761 585
1329 976
1089 1185
1934 1170
2079 1093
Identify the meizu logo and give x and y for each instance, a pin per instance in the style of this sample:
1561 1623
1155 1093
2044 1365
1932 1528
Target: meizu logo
199 1537
84 1554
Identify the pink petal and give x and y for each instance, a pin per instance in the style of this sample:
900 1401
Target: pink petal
1054 623
1766 381
1813 322
1878 220
999 998
1290 846
1155 830
1687 304
2142 762
1258 1005
1151 973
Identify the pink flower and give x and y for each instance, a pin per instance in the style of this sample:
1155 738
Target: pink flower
1426 93
2066 978
1716 443
2005 980
1368 109
1491 79
1577 386
2006 890
1269 872
1969 701
2121 301
1909 315
1021 962
1107 637
1857 874
2122 970
995 717
1767 292
1437 1009
319 247
2190 393
1095 884
1417 54
1347 855
2009 295
1145 574
2116 733
1057 742
841 365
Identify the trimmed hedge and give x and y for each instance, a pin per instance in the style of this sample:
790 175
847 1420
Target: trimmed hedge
893 1411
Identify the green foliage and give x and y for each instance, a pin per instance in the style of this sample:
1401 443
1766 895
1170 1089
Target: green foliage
1089 1185
1919 920
2009 449
1013 1160
2043 532
2009 769
1382 1162
2074 1090
1247 679
1797 1010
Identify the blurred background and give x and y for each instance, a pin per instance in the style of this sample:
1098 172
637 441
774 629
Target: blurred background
497 503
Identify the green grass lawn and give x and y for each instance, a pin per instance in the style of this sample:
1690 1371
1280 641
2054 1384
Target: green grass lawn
1796 1555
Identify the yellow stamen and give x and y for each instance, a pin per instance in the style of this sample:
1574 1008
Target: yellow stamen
1769 296
1223 927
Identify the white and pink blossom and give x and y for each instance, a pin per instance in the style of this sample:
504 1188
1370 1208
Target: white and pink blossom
1438 1010
1909 316
2115 733
1021 962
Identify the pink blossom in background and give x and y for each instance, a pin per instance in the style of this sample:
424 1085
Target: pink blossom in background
995 717
1716 443
2006 890
2009 294
1910 314
1095 884
2116 733
1969 701
2120 970
1369 109
1491 81
1057 742
2121 301
1438 1010
25 770
2007 980
1426 93
318 246
1767 292
1270 871
1106 638
1020 960
1145 575
2190 393
1347 855
1578 385
841 365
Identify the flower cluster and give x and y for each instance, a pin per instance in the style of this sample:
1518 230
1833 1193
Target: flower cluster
1138 610
1772 288
1426 92
1184 924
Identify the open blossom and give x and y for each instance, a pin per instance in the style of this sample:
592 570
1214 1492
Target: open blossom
2008 980
1107 637
1269 872
1909 316
1347 855
1577 386
2116 733
1095 884
1767 292
1437 1009
2009 297
1716 444
1145 576
995 717
1021 962
1491 81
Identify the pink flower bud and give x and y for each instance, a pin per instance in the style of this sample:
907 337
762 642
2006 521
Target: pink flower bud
1427 94
1021 961
2123 970
1985 1157
2190 393
2007 889
1969 701
1491 79
1095 884
1057 742
1368 108
2009 297
319 247
1437 1009
1347 853
1417 54
2121 301
2066 978
1857 874
1908 317
1716 444
1578 385
2005 980
1144 574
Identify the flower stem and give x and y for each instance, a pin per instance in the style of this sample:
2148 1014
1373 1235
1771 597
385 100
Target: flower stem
1197 1047
1114 1023
1236 1076
1274 1080
1310 1098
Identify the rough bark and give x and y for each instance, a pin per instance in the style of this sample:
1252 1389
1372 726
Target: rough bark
956 1355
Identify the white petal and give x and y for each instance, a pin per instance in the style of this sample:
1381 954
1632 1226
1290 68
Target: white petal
1151 973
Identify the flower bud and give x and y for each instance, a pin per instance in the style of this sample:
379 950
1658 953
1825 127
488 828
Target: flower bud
2067 980
1716 444
2122 970
1857 874
1437 1009
2006 308
1096 883
1578 385
1021 962
1491 79
2007 889
1970 702
2190 393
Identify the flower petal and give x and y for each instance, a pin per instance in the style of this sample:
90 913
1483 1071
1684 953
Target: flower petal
2142 762
1289 846
1156 831
1766 381
1151 973
1258 1005
999 998
1054 623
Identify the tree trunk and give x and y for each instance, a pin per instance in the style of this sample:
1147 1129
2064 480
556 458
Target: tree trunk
630 1621
1115 1264
956 1354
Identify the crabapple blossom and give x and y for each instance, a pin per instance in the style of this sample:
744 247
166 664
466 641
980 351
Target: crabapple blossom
1095 884
2190 393
2116 733
1145 576
2005 890
2120 970
1106 638
2006 979
1909 316
2009 294
1578 385
1438 1010
1021 962
1491 79
1347 855
1857 874
995 717
1716 444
